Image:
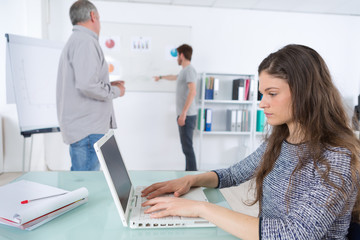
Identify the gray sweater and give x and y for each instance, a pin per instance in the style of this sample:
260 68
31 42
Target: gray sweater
84 94
307 216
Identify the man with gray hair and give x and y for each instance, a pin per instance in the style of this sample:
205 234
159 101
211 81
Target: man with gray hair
84 93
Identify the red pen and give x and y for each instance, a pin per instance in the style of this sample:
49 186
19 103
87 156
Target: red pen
27 201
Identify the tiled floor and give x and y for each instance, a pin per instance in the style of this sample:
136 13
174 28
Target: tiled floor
235 196
8 177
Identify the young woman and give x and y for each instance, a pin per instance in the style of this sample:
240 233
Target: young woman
306 171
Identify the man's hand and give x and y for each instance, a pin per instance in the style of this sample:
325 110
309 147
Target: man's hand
181 120
121 85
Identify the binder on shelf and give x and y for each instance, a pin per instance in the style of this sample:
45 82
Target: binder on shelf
208 119
239 114
247 89
209 94
231 120
201 128
246 125
209 88
216 89
259 95
260 120
238 89
28 205
243 120
211 83
252 90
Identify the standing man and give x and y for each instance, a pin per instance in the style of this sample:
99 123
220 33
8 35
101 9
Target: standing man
84 93
185 103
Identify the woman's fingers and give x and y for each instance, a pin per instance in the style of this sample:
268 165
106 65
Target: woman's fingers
181 191
157 193
154 201
178 186
159 207
152 188
171 206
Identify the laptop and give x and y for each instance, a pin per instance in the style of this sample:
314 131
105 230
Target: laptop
128 198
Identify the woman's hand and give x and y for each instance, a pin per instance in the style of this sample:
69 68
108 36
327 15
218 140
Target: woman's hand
173 206
238 224
178 186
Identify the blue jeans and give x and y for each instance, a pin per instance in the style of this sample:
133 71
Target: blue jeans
83 156
186 137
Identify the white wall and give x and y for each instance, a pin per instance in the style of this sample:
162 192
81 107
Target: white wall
224 41
23 18
1 148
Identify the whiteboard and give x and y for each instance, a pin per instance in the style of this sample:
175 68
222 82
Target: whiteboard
33 65
137 52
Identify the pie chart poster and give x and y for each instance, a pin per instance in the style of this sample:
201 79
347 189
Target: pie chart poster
137 52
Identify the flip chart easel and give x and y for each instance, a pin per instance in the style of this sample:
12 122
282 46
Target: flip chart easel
31 66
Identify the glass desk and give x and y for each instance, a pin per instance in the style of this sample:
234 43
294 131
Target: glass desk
98 218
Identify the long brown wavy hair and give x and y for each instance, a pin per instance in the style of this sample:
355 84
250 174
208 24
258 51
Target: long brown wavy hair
318 111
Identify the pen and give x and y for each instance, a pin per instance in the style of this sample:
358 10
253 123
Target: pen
30 200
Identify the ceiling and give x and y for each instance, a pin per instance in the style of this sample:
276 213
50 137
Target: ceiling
339 7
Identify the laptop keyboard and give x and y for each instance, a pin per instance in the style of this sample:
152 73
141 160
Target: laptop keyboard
145 221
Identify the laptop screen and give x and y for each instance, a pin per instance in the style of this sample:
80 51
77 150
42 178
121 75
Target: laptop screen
117 170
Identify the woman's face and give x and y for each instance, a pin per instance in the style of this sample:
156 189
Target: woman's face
276 100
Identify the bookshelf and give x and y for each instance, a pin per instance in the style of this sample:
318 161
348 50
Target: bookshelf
220 102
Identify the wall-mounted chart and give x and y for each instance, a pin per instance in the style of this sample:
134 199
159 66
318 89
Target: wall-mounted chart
137 52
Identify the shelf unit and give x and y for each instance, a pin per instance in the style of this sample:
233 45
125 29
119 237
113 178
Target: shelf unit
221 104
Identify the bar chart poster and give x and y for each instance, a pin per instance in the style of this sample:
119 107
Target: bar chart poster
137 52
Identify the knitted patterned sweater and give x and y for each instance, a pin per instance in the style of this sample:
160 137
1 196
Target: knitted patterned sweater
307 215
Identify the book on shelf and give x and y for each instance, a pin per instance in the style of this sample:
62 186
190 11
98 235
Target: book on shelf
28 205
